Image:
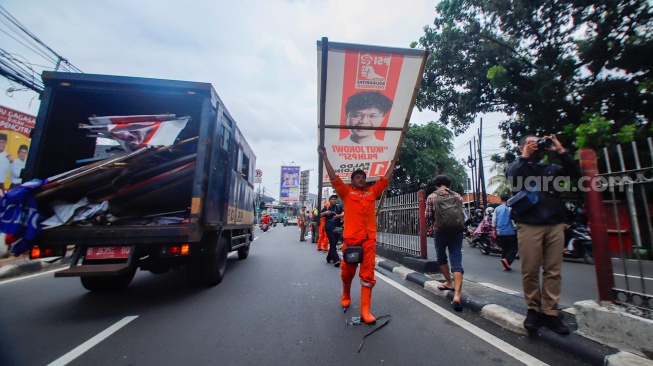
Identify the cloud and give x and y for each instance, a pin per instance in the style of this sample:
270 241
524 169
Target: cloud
260 56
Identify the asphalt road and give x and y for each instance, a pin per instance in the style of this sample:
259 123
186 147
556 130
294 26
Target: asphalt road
280 306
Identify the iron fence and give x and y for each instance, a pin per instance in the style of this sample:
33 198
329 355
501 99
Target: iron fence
627 183
398 224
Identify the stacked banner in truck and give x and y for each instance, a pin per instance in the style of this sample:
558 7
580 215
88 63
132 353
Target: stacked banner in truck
135 132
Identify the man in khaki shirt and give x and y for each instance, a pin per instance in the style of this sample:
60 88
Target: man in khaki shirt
302 221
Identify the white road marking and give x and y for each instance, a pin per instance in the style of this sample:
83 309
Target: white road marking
505 347
70 356
499 288
30 276
631 276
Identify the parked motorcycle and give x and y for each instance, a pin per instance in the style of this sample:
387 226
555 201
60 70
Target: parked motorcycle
578 237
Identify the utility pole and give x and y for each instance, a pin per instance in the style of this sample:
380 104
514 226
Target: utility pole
471 163
481 170
477 197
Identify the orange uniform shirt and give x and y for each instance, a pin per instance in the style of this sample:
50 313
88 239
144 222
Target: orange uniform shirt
360 206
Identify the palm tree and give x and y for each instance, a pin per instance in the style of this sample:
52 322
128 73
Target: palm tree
499 179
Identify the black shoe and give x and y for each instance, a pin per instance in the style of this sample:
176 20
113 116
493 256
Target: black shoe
532 321
336 264
555 324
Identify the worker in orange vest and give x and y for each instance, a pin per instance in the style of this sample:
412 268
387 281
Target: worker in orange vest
323 240
359 200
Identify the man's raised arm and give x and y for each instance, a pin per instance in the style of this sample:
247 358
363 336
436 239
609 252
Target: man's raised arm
322 151
391 169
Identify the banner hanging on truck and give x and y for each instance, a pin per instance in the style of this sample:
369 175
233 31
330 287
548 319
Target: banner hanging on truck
368 98
15 129
289 186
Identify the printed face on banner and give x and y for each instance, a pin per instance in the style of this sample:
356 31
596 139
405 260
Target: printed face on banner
289 190
15 128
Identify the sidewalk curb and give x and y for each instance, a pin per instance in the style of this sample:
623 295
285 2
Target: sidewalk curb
30 266
12 270
575 343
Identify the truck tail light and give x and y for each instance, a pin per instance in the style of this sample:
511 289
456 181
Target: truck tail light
44 252
173 250
35 253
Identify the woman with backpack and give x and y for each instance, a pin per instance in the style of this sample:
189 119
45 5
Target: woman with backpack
444 208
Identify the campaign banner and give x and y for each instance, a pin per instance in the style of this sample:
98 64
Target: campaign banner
289 186
15 129
368 99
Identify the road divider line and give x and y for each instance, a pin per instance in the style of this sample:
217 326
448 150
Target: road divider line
70 356
498 343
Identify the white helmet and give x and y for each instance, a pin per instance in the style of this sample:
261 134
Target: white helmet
489 210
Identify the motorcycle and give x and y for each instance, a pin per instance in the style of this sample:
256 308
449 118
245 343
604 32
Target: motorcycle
486 244
578 237
264 226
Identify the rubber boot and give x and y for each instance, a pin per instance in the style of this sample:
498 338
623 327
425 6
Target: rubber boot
366 300
345 300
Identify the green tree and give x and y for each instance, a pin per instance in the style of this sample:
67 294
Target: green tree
545 64
499 179
427 150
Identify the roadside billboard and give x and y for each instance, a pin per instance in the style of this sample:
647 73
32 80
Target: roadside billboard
15 128
365 105
289 185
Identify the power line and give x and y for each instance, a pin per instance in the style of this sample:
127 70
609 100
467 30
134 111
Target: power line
19 69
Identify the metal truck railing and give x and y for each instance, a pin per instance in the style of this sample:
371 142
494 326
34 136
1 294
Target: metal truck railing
399 220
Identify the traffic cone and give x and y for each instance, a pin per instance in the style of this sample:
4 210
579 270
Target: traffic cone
366 300
345 300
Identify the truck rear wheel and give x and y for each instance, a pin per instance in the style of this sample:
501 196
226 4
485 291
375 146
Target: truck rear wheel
215 264
108 283
243 252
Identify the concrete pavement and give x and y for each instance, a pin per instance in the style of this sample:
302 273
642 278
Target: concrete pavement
601 334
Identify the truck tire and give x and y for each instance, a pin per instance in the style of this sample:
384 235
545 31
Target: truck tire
215 264
243 252
108 283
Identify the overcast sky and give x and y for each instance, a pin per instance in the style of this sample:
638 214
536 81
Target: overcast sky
260 56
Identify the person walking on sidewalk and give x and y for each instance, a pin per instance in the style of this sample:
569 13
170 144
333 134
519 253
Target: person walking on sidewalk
540 226
302 219
504 230
359 200
444 208
333 212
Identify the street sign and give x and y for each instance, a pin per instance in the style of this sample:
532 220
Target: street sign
258 173
258 180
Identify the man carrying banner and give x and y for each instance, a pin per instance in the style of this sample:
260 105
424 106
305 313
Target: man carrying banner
359 200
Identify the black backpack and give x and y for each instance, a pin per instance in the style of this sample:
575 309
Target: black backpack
449 216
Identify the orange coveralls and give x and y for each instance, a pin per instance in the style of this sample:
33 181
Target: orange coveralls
360 227
323 241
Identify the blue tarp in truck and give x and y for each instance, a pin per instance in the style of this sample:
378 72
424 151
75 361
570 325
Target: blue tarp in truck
182 206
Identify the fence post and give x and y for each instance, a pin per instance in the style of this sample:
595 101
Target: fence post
422 224
598 226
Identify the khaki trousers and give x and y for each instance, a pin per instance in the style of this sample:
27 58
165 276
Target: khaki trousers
541 246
